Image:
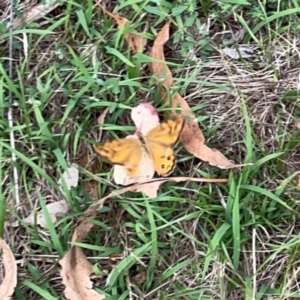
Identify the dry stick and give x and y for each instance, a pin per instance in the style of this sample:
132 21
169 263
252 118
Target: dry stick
10 112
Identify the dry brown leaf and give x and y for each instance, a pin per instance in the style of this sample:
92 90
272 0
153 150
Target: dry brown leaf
76 269
56 210
136 42
192 137
10 278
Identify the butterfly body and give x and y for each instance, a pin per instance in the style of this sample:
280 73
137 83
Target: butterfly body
157 144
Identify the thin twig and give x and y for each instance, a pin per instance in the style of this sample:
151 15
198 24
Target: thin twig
10 110
254 287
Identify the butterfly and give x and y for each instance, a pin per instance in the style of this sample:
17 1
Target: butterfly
158 144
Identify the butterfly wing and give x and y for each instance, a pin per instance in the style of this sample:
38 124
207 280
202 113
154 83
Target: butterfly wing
125 152
159 144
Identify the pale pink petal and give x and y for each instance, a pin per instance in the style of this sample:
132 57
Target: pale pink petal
145 118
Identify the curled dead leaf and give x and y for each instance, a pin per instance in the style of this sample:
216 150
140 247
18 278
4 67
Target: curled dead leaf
191 137
76 277
9 281
76 269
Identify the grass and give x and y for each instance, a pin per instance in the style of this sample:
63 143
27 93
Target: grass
184 244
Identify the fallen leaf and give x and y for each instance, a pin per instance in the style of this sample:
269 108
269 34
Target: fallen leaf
240 52
70 177
56 210
159 67
136 42
145 118
191 137
9 281
76 269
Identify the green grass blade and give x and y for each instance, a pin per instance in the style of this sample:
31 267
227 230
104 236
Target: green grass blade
153 230
213 246
118 54
126 263
50 226
43 293
262 191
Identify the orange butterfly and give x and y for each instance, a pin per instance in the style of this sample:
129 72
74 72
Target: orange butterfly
158 143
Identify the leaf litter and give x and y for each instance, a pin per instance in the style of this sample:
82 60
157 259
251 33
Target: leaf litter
9 281
70 177
76 269
56 210
192 137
